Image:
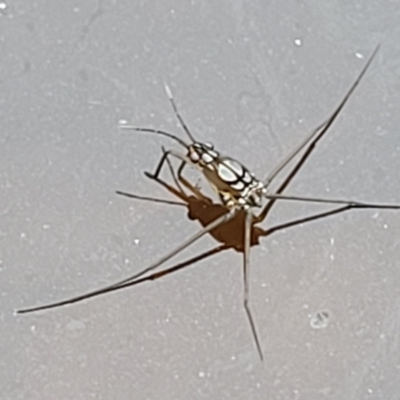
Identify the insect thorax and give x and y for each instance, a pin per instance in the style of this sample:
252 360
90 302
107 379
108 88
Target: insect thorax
234 183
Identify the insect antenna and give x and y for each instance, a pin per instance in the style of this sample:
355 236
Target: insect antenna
175 108
156 131
163 133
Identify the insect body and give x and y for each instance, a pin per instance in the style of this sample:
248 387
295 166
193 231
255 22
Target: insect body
240 192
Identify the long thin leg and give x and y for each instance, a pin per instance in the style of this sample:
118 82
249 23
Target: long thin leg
180 179
172 172
246 267
314 142
153 276
153 199
334 201
325 125
163 159
194 190
270 177
180 176
287 181
219 221
182 265
165 156
304 220
176 192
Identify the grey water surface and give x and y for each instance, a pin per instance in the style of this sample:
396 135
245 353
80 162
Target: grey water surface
253 78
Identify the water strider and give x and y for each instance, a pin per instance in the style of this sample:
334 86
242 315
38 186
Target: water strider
240 193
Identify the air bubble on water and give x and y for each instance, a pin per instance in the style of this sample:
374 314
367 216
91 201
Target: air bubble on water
319 320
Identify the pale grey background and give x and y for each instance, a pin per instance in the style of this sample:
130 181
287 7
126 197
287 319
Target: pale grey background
252 77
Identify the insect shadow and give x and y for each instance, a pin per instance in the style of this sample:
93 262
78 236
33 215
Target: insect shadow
229 223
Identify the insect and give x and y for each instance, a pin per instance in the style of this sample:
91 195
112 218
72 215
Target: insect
239 192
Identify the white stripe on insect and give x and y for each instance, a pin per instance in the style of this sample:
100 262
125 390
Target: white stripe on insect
226 173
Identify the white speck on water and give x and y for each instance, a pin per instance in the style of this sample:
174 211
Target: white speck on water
3 6
202 374
298 42
359 55
46 226
136 241
126 261
23 235
122 122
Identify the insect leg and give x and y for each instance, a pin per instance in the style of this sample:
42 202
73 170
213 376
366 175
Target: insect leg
304 220
153 199
314 142
325 126
163 159
172 172
246 266
179 179
153 276
355 204
219 221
